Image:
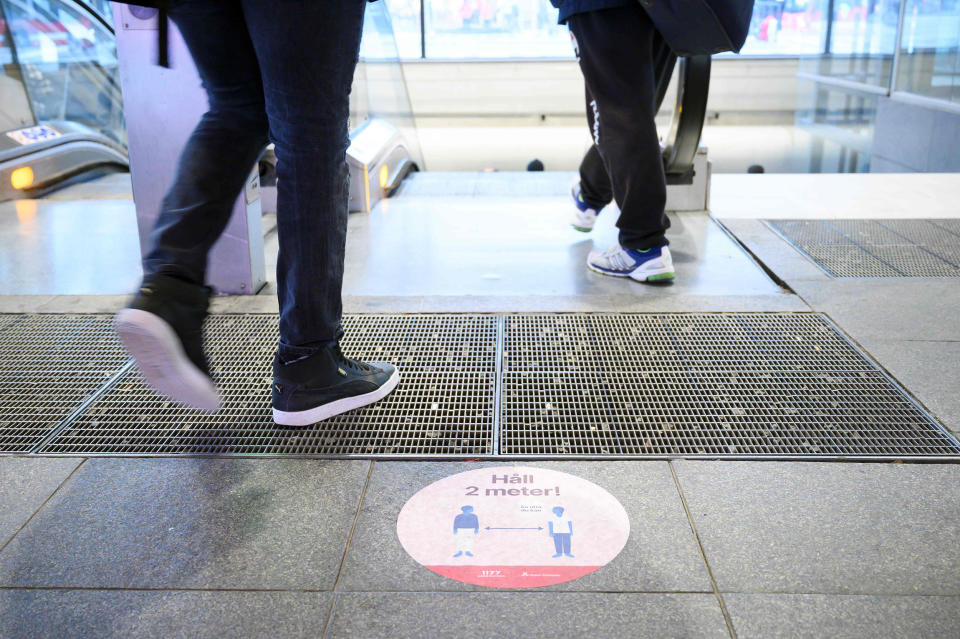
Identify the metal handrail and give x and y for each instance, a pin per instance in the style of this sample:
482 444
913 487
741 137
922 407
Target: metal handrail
689 115
96 14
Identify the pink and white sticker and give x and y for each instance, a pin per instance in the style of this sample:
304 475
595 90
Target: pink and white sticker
513 527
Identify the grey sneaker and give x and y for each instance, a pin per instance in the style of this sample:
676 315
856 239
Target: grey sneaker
652 265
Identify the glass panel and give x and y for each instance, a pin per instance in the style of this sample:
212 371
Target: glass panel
840 123
786 27
379 84
69 63
15 111
865 27
930 50
495 29
406 26
528 29
859 42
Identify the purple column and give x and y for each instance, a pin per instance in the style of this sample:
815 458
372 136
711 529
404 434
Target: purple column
161 107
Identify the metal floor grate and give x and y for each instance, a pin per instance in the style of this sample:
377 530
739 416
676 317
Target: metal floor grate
877 248
701 384
50 365
444 405
6 319
527 385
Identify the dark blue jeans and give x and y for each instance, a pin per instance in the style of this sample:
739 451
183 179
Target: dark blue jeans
282 70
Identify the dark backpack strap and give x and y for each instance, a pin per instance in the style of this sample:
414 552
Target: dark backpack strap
163 44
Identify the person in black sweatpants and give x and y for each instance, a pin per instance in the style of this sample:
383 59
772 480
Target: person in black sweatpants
626 66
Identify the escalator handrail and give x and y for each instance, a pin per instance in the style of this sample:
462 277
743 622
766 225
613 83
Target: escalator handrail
689 115
78 134
96 14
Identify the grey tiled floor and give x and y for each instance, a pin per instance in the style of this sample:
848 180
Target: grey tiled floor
521 247
536 615
787 528
25 484
87 614
301 548
842 617
200 524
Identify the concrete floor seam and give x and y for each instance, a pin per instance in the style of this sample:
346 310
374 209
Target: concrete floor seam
703 552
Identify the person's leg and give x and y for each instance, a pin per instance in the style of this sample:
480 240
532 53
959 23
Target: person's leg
594 181
308 51
566 544
162 325
595 184
593 191
595 188
223 147
558 543
619 49
664 62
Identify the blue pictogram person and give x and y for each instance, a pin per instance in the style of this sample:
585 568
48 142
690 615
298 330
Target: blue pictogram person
561 529
466 526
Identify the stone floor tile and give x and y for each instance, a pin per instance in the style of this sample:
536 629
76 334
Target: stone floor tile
164 614
926 369
191 523
889 309
25 483
842 616
531 615
790 527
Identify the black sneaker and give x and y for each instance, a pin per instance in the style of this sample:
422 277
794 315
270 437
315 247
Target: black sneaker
319 386
162 329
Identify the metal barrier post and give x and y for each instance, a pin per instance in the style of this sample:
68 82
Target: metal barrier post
161 107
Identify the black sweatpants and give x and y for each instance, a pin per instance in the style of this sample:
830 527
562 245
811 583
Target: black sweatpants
626 67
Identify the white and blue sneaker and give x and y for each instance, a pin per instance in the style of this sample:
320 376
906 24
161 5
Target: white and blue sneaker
652 265
584 217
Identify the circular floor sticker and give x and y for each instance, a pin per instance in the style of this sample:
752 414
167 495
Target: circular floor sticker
513 527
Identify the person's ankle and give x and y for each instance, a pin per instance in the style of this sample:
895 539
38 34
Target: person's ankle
288 353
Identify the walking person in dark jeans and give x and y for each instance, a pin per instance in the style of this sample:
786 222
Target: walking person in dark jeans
626 66
280 71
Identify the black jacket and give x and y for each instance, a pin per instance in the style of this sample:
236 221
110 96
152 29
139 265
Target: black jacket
690 27
570 7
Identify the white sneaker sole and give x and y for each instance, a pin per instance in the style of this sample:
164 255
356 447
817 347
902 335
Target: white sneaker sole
161 359
660 273
579 225
326 411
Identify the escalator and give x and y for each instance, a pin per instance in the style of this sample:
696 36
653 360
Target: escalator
385 145
61 111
